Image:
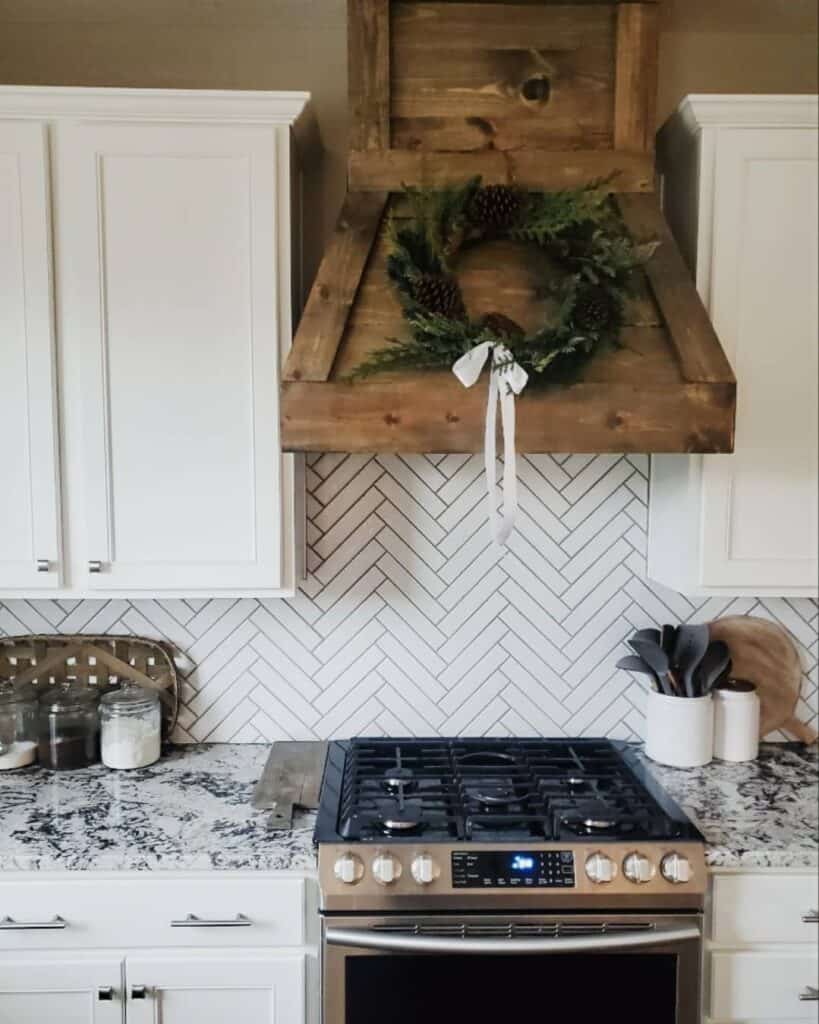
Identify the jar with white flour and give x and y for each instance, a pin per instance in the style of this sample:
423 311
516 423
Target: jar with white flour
130 727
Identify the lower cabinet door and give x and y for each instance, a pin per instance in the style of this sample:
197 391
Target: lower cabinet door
38 990
253 987
764 986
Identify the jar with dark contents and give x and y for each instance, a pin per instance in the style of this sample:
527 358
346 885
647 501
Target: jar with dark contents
69 727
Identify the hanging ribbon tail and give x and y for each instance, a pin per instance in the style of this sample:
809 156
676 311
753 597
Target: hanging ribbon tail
506 380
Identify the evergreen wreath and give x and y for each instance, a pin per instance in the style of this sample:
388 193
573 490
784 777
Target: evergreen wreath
577 228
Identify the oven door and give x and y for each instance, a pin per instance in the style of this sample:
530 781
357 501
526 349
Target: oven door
494 969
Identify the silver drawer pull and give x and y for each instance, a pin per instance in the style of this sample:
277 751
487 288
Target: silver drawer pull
139 992
8 924
812 917
192 921
105 994
809 994
95 566
43 565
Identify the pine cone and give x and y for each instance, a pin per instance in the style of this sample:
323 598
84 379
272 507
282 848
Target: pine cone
594 309
502 326
439 294
495 206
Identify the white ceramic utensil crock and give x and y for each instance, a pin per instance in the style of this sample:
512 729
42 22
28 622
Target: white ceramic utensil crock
679 730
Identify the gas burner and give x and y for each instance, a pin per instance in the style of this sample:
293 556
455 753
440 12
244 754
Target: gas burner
595 818
486 759
400 815
491 792
399 779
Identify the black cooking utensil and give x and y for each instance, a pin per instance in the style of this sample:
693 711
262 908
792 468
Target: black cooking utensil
716 661
648 634
668 638
656 658
634 663
689 649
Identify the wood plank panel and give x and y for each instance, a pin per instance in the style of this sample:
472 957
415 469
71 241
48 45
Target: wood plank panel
368 54
636 76
391 169
334 290
478 76
692 334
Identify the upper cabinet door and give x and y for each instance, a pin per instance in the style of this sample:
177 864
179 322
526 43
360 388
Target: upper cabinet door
30 555
169 278
760 505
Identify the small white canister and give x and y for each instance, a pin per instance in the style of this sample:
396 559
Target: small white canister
736 721
679 730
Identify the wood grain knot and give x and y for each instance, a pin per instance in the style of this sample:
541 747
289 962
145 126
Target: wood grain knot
615 421
391 419
536 90
451 417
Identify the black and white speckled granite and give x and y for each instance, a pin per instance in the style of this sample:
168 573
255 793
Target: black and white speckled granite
190 811
760 814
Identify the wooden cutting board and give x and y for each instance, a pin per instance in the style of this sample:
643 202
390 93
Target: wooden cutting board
764 654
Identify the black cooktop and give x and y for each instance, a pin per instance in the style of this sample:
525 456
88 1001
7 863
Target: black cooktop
492 790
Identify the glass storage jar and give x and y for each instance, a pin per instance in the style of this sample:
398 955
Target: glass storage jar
69 727
18 726
130 727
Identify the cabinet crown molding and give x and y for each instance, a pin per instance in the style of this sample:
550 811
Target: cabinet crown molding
702 110
246 107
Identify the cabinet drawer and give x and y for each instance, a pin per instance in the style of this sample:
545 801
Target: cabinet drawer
763 908
152 911
754 986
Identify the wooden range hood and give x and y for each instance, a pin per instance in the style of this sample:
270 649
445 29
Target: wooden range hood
543 95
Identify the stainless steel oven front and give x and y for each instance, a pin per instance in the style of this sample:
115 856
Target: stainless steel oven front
493 968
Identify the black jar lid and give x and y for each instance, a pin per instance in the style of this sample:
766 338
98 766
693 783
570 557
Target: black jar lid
69 696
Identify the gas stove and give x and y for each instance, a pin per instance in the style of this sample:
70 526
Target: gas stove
513 823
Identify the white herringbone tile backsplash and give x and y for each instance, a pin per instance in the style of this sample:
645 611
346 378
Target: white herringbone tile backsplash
411 622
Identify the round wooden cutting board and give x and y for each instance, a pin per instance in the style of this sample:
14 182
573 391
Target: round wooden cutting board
764 654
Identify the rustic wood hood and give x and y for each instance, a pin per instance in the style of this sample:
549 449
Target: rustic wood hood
541 95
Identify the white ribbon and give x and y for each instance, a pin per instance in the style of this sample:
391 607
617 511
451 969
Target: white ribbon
506 379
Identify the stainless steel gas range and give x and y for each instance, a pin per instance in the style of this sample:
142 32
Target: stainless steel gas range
478 879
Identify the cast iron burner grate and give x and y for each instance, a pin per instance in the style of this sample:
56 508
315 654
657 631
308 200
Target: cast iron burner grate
496 790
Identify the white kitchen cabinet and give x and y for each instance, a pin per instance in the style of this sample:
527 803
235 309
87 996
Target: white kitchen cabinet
762 959
740 193
254 987
71 990
30 550
175 273
164 948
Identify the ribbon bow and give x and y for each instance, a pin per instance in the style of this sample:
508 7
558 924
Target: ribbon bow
506 380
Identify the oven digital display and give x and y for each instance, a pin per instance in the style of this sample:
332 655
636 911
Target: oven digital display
496 869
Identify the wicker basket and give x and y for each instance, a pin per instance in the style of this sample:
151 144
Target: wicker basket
104 662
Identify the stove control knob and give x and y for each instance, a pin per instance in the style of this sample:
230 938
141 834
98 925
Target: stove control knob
676 868
386 869
600 868
423 869
638 869
348 869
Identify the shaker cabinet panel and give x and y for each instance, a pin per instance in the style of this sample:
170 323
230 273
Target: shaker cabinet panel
61 988
30 549
168 263
740 193
255 987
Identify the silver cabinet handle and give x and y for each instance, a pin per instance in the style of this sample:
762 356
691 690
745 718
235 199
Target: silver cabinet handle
809 994
369 938
8 924
105 994
192 921
43 565
95 566
139 992
811 917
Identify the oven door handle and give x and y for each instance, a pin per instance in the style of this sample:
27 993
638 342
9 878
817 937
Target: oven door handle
371 938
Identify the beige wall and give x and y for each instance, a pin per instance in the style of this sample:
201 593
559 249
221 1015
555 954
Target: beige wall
706 46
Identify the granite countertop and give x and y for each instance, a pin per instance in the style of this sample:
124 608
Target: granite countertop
192 811
760 814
